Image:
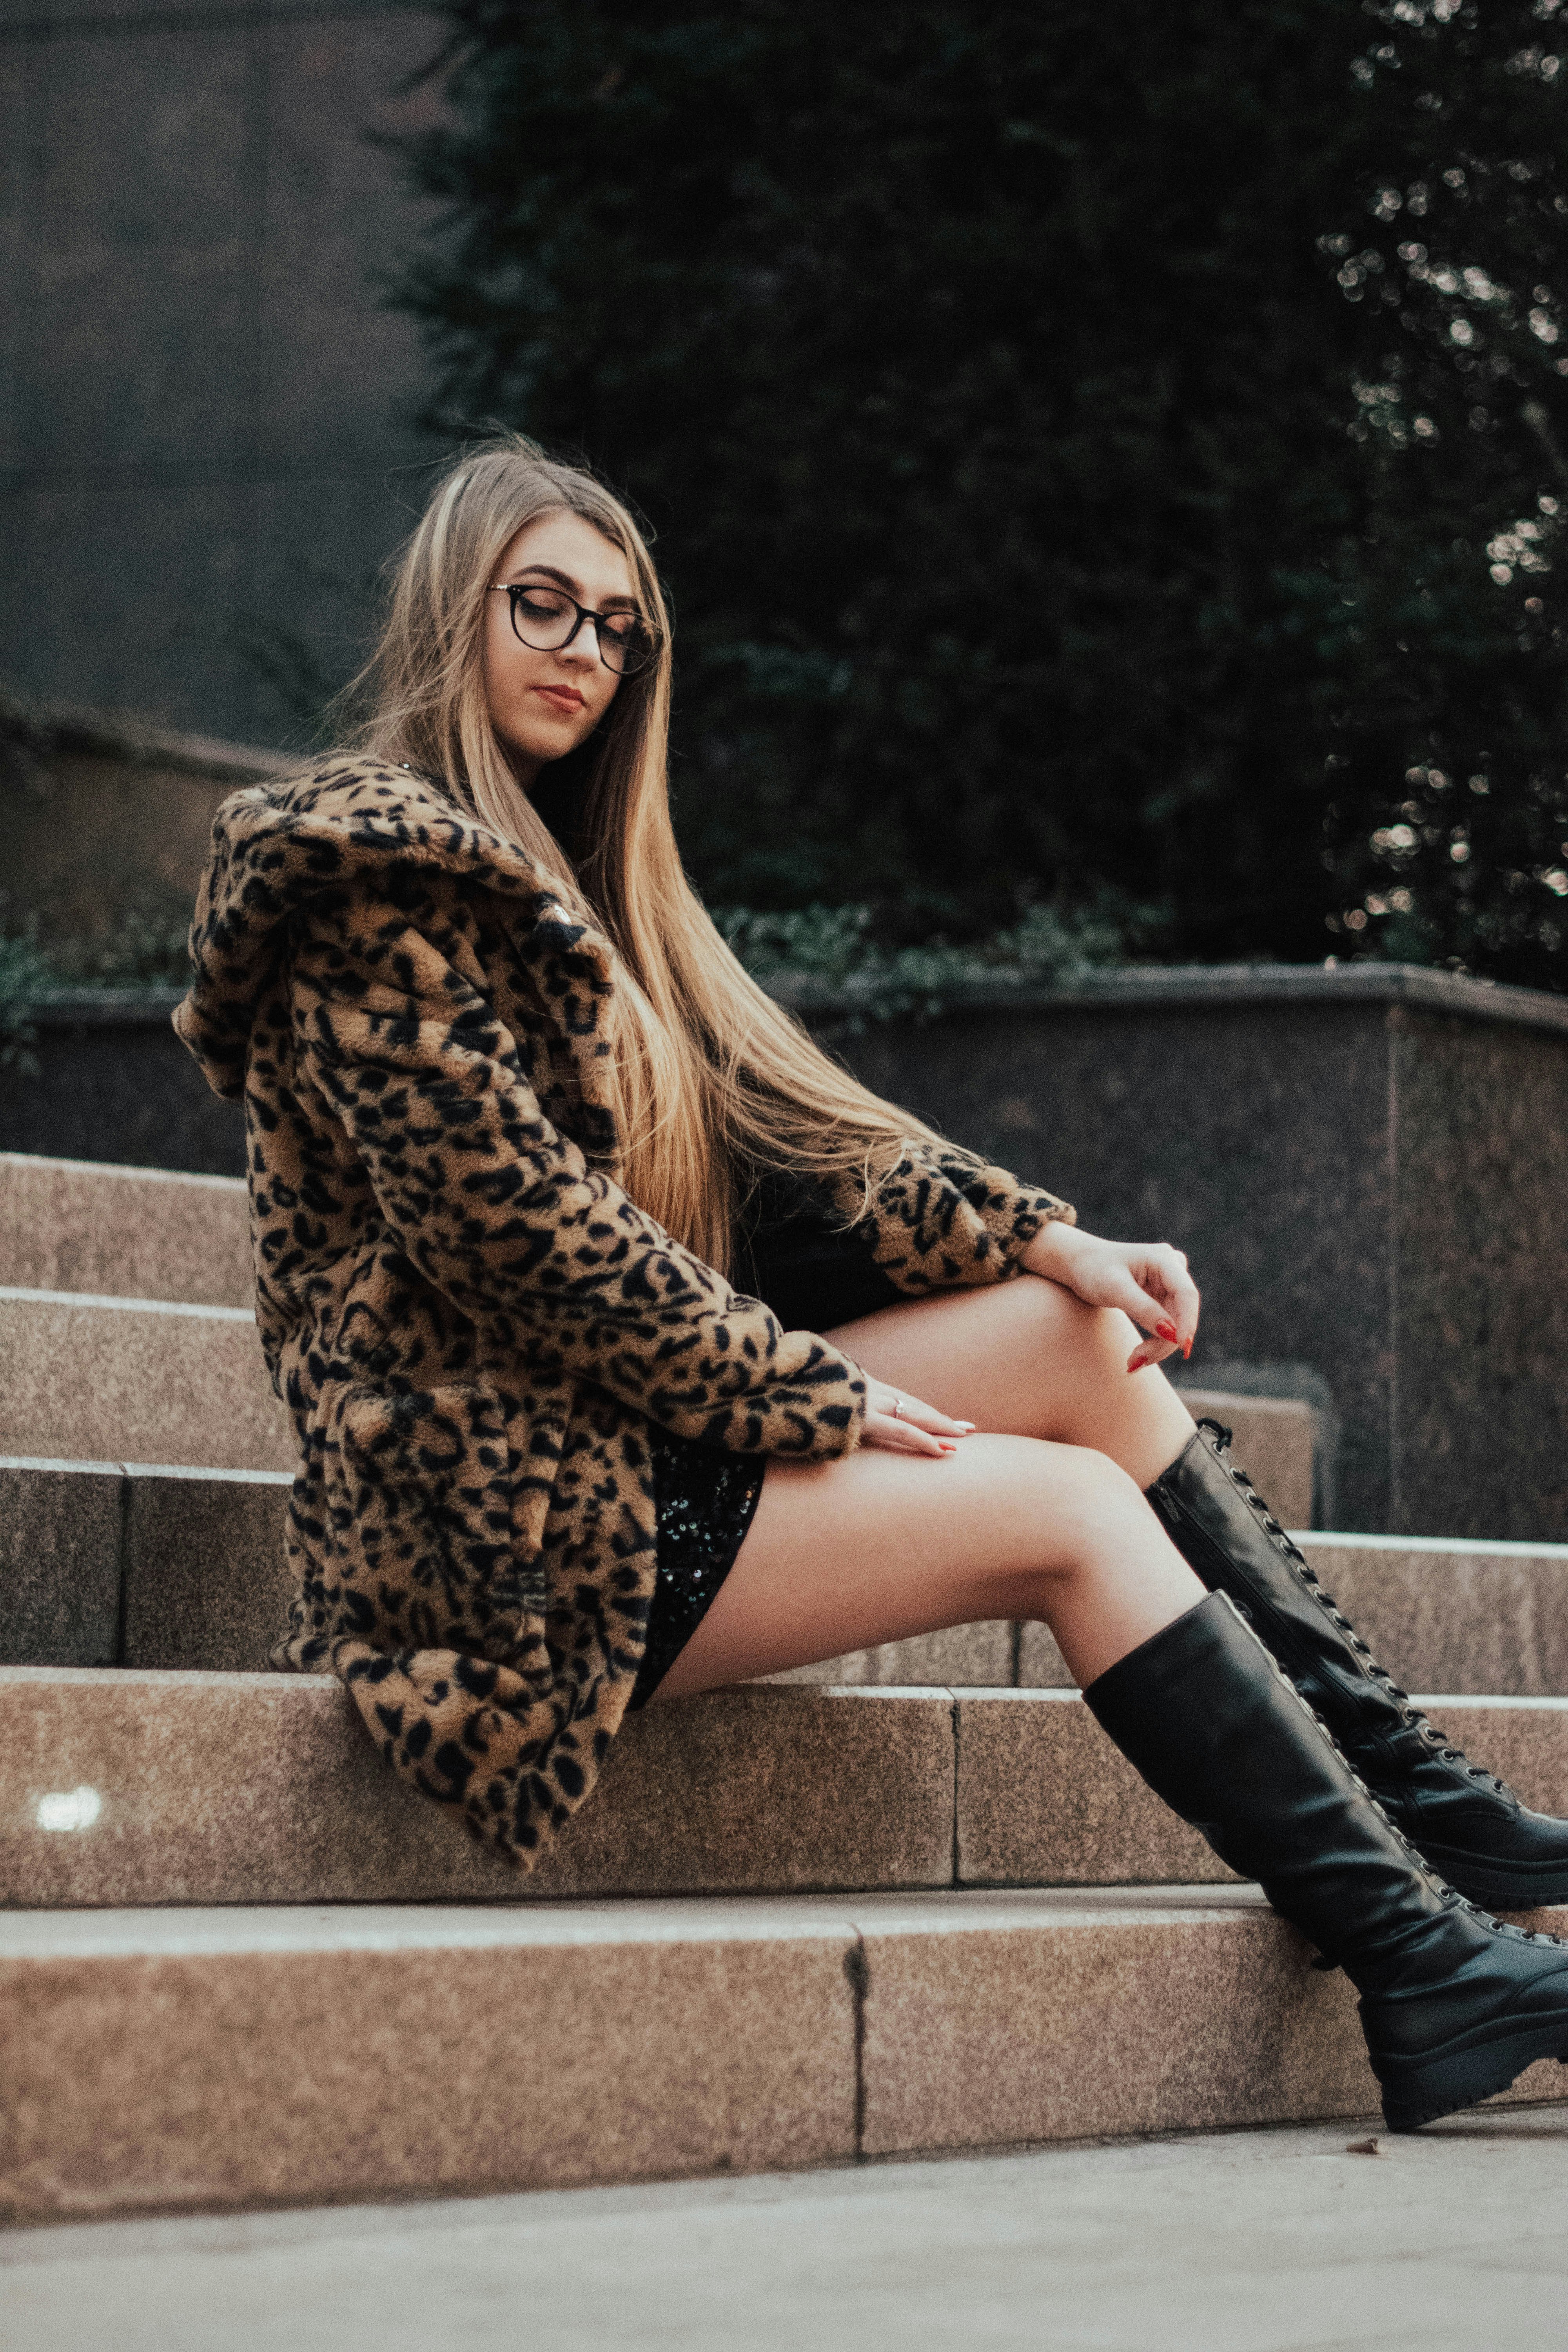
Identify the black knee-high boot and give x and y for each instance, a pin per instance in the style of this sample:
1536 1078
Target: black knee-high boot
1469 1824
1454 2004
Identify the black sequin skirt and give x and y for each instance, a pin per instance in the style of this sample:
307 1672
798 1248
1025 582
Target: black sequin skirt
703 1501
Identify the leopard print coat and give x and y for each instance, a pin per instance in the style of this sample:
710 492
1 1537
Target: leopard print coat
470 1322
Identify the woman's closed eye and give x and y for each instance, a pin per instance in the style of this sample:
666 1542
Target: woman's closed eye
540 604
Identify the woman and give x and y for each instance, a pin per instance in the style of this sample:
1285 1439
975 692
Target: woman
528 1154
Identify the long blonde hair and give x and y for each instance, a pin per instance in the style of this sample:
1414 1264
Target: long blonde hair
714 1078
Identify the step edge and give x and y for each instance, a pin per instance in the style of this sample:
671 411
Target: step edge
148 1469
225 1931
16 1294
122 1167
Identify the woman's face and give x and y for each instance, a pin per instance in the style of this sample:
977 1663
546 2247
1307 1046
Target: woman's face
543 705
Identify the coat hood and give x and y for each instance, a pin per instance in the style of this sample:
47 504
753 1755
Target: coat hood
276 846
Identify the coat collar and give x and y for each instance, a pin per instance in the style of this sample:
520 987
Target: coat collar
275 847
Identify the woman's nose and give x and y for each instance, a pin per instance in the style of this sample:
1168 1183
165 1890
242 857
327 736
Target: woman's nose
584 646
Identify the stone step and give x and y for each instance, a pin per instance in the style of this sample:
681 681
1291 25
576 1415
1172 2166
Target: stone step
125 1233
171 2060
104 1378
138 1564
127 1789
136 1236
96 1377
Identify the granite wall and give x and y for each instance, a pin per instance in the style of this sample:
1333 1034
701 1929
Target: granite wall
1367 1168
207 429
106 824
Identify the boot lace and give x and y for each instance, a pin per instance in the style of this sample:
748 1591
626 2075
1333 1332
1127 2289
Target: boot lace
1435 1741
1451 1899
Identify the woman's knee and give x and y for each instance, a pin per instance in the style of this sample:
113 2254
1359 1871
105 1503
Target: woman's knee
1073 1503
1058 1340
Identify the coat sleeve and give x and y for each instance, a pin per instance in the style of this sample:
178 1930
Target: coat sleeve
500 1213
941 1219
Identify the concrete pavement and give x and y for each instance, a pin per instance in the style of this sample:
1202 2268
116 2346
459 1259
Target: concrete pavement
1249 2241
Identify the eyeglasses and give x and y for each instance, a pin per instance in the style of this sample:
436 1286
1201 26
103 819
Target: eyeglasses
547 620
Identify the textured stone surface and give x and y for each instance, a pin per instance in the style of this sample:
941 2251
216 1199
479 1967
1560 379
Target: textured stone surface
992 2019
1041 1665
115 1083
1214 2243
174 2059
116 1382
1368 1187
1447 1615
981 1652
758 1788
1045 1799
60 1562
210 1788
131 1232
1454 1616
205 1580
1478 1234
144 1788
269 2056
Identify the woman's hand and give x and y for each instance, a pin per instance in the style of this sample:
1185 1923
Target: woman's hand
1148 1280
904 1426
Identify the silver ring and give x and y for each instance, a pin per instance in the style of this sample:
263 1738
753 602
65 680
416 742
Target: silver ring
897 1406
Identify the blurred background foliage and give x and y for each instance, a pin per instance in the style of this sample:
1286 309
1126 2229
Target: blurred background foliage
1109 464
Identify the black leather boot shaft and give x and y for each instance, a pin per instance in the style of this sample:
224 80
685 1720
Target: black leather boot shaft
1231 1540
1205 1715
1454 2004
1466 1820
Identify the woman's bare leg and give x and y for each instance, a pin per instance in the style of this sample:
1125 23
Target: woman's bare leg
1027 1357
842 1555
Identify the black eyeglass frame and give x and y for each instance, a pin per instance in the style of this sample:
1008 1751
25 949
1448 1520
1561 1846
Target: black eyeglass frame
516 588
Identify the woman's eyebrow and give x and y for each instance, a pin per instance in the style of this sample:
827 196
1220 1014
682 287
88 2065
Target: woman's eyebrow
565 579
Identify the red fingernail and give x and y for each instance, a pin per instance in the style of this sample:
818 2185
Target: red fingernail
1140 1366
1167 1331
1186 1351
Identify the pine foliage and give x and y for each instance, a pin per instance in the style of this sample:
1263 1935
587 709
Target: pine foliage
1104 455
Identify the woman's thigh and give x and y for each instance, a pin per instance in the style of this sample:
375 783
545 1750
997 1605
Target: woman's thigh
1027 1358
844 1555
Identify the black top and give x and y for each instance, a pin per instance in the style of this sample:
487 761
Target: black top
792 1254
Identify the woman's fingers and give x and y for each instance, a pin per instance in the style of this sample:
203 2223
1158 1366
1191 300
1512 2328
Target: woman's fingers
1164 1300
903 1437
906 1424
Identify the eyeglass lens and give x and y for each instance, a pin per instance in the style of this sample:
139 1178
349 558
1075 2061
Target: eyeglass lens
545 618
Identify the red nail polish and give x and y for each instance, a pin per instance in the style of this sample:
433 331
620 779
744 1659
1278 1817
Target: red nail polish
1139 1367
1186 1351
1166 1332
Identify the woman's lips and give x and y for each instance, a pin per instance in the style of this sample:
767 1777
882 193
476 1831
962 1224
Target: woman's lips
564 697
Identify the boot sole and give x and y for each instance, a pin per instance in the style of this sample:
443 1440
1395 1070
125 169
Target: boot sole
1443 2083
1495 1889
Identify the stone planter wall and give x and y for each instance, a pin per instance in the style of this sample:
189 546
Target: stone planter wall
1368 1168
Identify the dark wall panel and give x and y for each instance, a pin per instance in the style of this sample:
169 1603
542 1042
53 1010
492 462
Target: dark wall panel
206 436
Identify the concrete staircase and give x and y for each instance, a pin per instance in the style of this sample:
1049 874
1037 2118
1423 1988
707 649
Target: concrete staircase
910 1900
